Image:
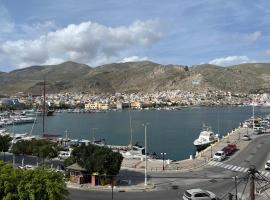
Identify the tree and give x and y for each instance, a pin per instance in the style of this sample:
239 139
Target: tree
34 184
22 147
42 184
5 143
97 159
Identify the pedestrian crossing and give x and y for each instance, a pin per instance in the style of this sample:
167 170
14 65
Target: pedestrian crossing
235 168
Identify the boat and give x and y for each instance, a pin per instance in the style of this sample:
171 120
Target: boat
206 138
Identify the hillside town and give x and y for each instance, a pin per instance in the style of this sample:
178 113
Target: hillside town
175 98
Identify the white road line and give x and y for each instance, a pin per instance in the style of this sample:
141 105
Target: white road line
215 164
245 170
227 166
234 168
211 162
237 169
223 165
218 164
231 167
242 169
263 172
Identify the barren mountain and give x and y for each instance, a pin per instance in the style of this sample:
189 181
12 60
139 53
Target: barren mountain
142 76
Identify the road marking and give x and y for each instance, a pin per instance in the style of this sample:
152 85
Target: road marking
223 165
245 170
234 168
211 162
231 167
237 169
242 169
215 163
263 172
227 166
266 173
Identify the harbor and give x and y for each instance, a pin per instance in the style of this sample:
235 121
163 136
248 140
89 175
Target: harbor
179 128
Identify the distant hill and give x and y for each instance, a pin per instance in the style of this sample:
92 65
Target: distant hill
144 76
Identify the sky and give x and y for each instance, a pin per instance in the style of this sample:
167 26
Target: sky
94 32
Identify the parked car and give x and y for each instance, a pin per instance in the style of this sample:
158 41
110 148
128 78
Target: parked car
246 138
219 156
229 149
233 147
199 194
64 155
267 165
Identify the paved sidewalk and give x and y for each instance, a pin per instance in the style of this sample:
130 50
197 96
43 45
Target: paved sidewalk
200 160
134 188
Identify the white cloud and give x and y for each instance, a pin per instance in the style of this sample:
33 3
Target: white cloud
87 42
133 59
231 60
253 37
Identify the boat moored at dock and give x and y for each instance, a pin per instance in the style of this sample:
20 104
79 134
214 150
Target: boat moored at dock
206 138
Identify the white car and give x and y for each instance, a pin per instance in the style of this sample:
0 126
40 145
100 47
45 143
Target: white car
64 155
219 156
246 138
199 194
267 165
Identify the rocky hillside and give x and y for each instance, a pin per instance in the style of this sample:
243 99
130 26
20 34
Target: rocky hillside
142 76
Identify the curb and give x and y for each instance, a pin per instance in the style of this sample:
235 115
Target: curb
149 187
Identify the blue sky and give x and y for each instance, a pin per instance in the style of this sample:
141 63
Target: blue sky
97 32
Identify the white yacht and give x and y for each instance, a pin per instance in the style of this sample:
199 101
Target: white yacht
205 138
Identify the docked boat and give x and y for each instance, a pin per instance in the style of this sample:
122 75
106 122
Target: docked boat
205 139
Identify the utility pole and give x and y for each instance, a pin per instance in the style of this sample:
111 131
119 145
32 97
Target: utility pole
145 147
253 124
93 132
252 172
163 157
235 185
112 186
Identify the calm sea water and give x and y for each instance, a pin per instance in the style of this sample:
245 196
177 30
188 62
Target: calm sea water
172 132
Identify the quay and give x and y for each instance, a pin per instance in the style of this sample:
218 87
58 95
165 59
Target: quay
194 162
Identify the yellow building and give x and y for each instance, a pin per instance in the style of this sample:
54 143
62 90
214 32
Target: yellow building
96 106
103 106
136 105
91 106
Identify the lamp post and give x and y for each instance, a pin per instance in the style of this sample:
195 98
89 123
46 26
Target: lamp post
211 148
235 185
145 147
163 155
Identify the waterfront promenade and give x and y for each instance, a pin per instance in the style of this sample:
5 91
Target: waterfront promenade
194 162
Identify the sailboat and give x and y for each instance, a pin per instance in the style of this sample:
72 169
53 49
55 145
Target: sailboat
46 112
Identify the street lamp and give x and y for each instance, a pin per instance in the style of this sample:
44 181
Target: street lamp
211 148
235 185
145 150
163 155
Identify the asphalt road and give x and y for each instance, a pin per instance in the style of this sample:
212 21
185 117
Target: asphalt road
171 186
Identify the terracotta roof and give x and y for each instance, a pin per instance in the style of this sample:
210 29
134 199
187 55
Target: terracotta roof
76 167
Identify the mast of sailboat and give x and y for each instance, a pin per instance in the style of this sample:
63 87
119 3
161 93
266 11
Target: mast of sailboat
43 113
130 127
